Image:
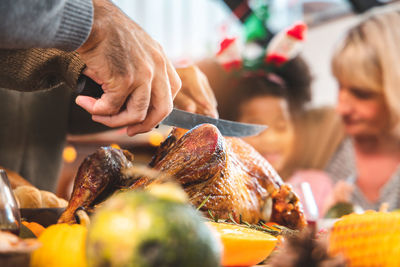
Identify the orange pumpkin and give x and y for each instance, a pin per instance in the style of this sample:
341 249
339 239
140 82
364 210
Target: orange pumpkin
35 228
243 246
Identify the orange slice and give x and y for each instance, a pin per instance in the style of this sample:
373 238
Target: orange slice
243 246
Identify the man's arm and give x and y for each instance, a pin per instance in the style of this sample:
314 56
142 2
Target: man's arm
138 80
62 24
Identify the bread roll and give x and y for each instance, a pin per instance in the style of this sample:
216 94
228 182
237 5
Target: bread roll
28 197
31 197
49 200
63 203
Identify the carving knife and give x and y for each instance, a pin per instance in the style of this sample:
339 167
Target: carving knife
180 118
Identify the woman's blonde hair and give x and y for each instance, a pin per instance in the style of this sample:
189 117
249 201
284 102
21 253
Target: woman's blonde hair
369 57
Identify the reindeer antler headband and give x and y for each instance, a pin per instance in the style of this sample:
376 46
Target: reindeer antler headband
283 47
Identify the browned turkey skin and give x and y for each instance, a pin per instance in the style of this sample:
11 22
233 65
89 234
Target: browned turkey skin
238 181
99 175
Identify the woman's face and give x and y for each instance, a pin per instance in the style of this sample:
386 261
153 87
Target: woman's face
276 142
363 111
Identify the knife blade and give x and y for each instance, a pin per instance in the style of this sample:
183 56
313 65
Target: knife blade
180 118
188 120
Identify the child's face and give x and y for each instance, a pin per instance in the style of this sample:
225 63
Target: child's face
276 142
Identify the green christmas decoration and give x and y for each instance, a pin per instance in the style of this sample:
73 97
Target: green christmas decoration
284 46
255 24
254 28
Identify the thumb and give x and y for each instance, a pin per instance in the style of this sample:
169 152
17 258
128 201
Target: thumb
110 103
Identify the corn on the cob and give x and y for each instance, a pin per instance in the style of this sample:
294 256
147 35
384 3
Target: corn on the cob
368 239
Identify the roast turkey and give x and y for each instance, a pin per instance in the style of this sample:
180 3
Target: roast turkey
238 182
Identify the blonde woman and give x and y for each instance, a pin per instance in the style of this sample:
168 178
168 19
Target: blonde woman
366 65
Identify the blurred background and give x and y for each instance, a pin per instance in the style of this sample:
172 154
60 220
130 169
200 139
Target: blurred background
190 30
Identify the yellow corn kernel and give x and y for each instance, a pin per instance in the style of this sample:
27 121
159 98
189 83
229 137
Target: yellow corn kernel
368 239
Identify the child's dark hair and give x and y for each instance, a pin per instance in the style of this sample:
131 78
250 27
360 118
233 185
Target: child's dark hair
291 81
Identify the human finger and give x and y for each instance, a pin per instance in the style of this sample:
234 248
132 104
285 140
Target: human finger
92 75
86 102
161 105
210 93
134 112
195 84
112 100
203 100
174 79
206 98
184 102
210 107
208 112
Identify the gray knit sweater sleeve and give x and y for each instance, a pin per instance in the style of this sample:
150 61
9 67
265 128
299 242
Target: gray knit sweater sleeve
62 24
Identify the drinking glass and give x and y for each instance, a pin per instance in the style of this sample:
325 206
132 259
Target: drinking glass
306 196
10 218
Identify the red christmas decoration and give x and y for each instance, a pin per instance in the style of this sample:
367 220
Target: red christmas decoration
227 42
276 59
298 31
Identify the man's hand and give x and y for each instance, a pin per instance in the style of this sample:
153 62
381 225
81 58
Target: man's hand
196 94
138 81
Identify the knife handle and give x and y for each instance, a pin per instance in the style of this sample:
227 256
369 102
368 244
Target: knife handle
86 86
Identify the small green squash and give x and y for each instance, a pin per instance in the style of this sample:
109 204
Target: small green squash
139 229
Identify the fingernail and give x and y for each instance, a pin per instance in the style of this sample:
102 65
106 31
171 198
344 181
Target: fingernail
79 101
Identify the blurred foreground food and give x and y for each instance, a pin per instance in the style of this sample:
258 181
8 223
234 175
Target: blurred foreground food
62 245
136 228
368 239
243 246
